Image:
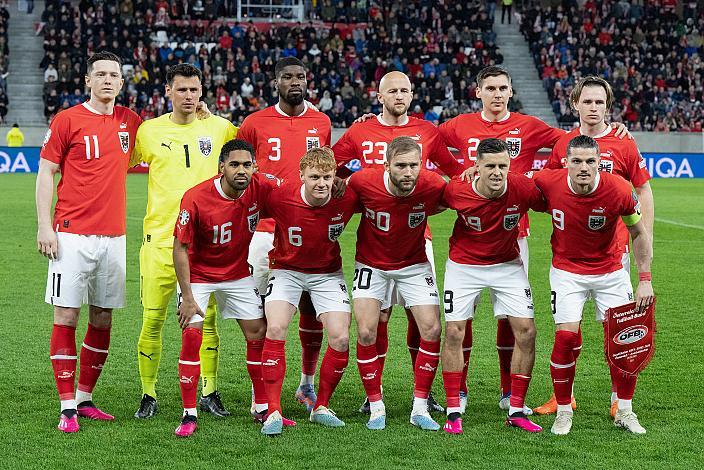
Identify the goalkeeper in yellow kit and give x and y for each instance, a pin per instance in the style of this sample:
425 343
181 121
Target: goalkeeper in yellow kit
181 151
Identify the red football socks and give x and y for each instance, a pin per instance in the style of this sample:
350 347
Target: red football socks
62 352
562 365
94 353
466 351
412 337
519 389
451 382
310 331
254 369
331 370
274 371
504 346
382 343
426 367
189 365
368 365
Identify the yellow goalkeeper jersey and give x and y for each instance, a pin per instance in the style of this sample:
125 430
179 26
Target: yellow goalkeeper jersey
179 157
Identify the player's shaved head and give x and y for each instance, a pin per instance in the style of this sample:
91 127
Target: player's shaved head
321 158
395 93
394 79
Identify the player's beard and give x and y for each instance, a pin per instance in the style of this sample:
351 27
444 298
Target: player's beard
239 184
403 184
294 100
394 111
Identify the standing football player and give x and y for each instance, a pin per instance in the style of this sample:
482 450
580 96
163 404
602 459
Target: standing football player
390 252
281 135
306 258
217 218
585 205
181 151
592 99
368 141
484 254
90 145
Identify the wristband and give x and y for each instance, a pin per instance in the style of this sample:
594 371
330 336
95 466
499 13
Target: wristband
645 276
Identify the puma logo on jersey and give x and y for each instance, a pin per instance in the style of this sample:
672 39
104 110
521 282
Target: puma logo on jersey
337 217
514 208
313 131
514 131
415 137
167 146
419 207
253 208
123 125
599 210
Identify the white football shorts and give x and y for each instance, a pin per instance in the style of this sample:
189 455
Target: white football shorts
393 296
570 291
508 284
415 284
328 291
90 269
235 299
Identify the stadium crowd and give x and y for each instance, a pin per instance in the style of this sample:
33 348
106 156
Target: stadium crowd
440 46
651 54
4 59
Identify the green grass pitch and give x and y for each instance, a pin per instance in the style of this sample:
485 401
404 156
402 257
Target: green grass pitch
668 399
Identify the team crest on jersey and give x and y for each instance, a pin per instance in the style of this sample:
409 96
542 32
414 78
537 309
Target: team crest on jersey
252 221
334 231
415 219
205 145
514 146
184 217
606 165
124 141
596 222
312 143
510 221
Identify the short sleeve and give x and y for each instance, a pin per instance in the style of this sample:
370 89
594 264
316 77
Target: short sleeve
638 172
56 140
344 149
186 221
247 133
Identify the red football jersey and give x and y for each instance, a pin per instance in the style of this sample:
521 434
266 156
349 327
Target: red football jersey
368 140
584 226
93 151
618 156
390 234
218 229
305 238
486 230
280 140
524 134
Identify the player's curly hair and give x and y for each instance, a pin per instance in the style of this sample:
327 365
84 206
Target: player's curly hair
321 158
491 146
402 146
183 70
235 144
592 80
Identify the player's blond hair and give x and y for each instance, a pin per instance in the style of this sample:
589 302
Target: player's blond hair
402 146
592 80
321 158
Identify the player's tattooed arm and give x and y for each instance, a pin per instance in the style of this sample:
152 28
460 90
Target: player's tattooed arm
621 130
643 252
47 243
188 307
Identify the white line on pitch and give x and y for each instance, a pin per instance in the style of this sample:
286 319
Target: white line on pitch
679 224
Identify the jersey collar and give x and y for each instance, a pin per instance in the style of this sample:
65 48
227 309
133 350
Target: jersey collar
305 201
505 118
95 111
606 132
305 108
596 185
381 121
387 185
218 187
474 188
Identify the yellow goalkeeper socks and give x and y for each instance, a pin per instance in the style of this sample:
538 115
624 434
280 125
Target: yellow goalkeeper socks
209 351
149 349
